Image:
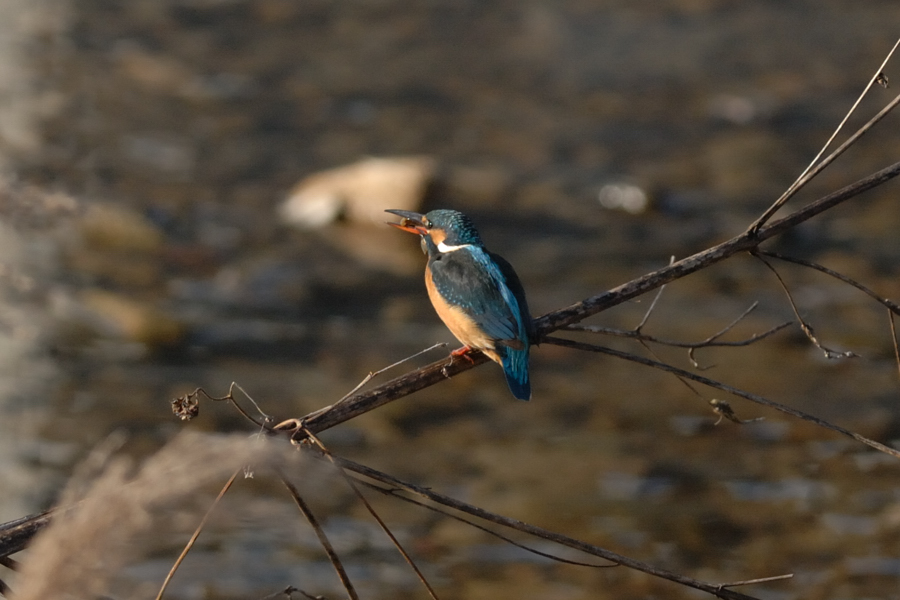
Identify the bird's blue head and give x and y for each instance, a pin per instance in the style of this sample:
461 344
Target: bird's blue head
440 228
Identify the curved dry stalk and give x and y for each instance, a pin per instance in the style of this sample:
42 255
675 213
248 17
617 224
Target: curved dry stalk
196 534
656 298
323 539
725 388
894 339
393 485
891 306
187 406
804 326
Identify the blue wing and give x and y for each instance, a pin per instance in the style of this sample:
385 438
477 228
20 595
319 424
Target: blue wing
471 279
487 289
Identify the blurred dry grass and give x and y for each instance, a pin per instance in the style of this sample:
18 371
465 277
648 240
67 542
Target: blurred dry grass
115 501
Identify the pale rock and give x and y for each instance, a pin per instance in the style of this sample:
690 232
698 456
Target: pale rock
359 192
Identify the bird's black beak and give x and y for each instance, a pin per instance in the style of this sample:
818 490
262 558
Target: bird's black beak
412 222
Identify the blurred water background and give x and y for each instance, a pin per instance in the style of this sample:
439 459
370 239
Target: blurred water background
146 147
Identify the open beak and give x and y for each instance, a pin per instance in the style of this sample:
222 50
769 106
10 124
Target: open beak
412 222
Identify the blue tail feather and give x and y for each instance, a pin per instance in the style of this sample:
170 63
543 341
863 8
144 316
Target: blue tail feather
515 367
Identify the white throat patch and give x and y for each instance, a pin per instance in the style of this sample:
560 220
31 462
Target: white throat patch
442 247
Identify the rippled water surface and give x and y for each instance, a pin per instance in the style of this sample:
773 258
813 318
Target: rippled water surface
148 144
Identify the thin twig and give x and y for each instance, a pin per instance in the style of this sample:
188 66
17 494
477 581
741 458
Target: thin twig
724 387
711 339
892 306
894 339
540 532
709 342
196 534
683 381
806 327
288 591
758 580
656 298
323 539
807 175
372 374
374 514
393 493
186 407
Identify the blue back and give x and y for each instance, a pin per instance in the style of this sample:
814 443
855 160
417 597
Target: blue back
487 289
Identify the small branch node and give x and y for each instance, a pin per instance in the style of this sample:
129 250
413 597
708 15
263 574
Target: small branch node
724 410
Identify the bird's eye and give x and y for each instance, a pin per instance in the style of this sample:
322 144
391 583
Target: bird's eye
427 223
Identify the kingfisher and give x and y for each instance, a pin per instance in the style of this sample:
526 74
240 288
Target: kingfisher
476 293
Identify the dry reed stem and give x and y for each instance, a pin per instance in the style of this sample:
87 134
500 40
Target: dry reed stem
87 544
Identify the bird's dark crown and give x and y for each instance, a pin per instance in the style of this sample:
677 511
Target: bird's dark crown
457 228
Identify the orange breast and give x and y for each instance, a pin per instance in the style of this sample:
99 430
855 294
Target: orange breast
459 323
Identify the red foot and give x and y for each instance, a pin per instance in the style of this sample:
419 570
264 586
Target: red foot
463 353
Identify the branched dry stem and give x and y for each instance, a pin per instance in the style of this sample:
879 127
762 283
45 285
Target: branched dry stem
710 342
725 388
804 326
187 407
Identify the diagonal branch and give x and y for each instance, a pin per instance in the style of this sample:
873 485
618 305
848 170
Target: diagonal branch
429 375
323 539
814 169
195 535
741 243
717 590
